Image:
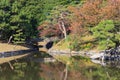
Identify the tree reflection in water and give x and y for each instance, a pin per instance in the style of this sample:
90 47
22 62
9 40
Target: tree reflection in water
113 64
21 71
79 70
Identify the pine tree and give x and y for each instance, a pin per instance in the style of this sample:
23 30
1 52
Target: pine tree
104 33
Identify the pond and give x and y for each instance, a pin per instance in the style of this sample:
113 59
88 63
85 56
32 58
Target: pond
80 69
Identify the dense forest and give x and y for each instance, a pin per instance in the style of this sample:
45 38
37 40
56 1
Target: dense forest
86 24
20 18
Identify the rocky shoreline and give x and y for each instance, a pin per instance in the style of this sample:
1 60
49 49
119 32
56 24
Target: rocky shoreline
101 55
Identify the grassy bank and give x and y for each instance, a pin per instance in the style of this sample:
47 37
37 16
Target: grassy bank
8 47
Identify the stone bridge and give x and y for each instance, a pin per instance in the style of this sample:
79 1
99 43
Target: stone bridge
43 44
33 45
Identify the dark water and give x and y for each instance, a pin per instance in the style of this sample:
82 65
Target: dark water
26 69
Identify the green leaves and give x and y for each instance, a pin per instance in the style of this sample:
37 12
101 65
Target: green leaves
103 29
26 15
19 14
19 37
105 34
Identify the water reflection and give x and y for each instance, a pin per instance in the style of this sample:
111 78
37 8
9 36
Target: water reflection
110 63
21 71
79 70
114 64
29 70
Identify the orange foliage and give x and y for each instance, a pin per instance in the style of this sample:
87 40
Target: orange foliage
48 29
88 15
92 12
55 27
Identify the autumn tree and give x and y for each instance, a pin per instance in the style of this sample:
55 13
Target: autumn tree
48 30
94 11
57 23
91 13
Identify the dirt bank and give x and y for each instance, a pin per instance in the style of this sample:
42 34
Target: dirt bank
8 47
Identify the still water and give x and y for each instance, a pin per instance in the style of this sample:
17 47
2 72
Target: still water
26 69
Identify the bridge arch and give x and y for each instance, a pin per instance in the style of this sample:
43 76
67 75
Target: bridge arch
49 45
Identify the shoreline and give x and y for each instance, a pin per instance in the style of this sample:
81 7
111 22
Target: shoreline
5 47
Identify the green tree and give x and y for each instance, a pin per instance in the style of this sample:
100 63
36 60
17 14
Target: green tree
105 33
19 17
23 16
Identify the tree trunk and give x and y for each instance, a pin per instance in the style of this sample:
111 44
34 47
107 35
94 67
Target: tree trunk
66 72
10 39
62 26
64 30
